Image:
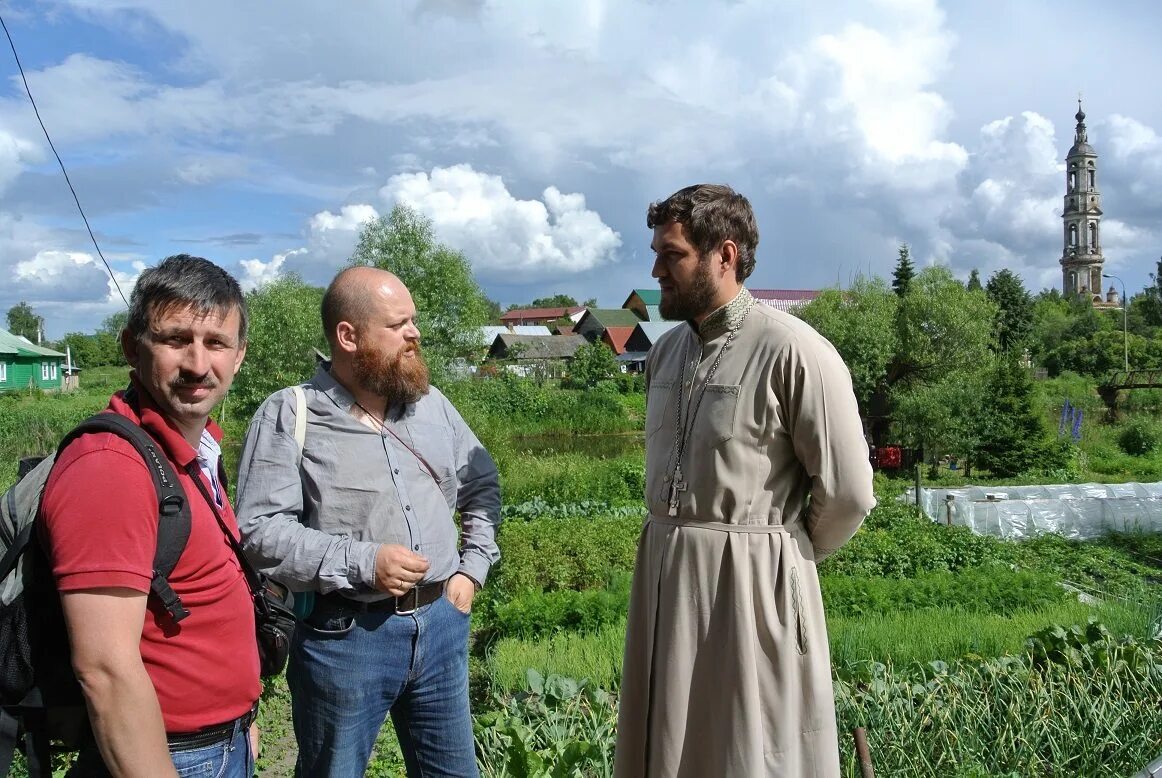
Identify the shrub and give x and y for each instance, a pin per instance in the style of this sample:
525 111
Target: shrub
989 589
1139 438
897 543
543 555
534 614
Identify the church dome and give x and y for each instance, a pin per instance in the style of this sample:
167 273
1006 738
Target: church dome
1082 147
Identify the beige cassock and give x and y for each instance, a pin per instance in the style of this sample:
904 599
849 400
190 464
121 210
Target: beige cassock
726 668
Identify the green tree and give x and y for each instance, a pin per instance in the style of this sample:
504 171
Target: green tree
1150 300
554 301
1014 322
859 323
95 350
905 271
114 323
943 328
1013 438
450 303
285 330
592 363
941 417
944 335
22 320
973 284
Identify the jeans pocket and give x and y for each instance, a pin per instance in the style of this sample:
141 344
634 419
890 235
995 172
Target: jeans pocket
328 626
465 614
207 761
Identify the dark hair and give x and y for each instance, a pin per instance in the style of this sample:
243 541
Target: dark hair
182 281
344 300
711 214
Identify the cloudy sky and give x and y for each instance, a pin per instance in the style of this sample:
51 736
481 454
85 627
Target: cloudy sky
534 134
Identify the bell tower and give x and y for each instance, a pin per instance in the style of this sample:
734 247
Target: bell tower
1081 257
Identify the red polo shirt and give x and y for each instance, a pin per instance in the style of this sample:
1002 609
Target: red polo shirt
100 530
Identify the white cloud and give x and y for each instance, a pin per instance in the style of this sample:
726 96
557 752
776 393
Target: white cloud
499 233
53 276
330 239
256 273
15 153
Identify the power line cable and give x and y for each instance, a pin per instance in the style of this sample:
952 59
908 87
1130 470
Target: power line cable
47 137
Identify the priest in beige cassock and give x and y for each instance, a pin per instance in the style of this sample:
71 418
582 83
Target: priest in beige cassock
756 468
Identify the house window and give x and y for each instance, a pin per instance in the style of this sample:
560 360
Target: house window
1073 235
44 371
1072 181
54 373
3 372
1092 177
1093 236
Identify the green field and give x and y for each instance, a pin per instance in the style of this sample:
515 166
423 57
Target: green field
954 651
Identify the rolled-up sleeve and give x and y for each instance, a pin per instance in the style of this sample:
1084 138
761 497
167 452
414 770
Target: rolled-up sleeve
477 499
270 510
827 436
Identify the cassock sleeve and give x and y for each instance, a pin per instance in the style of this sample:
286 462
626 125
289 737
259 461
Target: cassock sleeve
827 436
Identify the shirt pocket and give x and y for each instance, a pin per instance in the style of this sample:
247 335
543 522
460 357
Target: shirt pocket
659 407
715 418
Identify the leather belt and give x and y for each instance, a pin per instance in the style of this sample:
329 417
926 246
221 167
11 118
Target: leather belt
416 598
208 736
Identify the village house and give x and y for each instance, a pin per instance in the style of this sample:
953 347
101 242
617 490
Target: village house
522 316
25 365
536 355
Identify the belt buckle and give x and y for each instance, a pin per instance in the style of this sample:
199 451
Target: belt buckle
414 594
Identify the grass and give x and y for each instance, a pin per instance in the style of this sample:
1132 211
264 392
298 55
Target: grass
596 656
948 634
900 638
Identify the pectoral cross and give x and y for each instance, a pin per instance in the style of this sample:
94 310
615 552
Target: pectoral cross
677 486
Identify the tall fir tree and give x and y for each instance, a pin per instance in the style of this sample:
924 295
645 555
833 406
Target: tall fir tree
973 284
904 273
1014 322
1012 438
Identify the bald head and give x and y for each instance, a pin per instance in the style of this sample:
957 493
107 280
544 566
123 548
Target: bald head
353 294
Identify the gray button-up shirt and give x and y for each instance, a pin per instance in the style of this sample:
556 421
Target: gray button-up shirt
315 522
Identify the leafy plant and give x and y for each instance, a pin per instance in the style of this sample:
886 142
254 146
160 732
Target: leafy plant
556 727
1140 438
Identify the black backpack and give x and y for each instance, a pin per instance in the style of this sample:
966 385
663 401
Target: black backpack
40 699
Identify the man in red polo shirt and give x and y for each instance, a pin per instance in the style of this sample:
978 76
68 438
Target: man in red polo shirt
163 697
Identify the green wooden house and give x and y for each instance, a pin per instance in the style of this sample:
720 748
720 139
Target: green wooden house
25 365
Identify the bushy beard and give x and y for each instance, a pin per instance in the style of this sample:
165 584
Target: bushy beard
698 299
396 378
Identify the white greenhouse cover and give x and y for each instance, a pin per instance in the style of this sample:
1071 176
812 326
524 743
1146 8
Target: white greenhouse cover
1077 511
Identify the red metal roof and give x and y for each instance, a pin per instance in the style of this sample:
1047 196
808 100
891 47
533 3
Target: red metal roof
540 313
616 338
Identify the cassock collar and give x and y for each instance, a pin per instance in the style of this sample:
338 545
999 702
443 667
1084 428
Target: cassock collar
726 318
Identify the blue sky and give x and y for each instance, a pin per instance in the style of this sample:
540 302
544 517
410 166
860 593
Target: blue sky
534 135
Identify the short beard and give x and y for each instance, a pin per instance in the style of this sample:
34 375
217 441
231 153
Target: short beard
693 302
395 378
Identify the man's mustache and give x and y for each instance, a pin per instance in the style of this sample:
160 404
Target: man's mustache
193 381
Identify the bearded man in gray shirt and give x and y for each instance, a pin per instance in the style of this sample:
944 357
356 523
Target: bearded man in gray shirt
362 516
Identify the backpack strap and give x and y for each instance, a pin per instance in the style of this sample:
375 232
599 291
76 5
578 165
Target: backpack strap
300 417
173 510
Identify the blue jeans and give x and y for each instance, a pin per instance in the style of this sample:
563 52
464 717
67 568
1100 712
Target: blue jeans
346 673
230 758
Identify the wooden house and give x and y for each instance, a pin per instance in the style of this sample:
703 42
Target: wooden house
25 365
